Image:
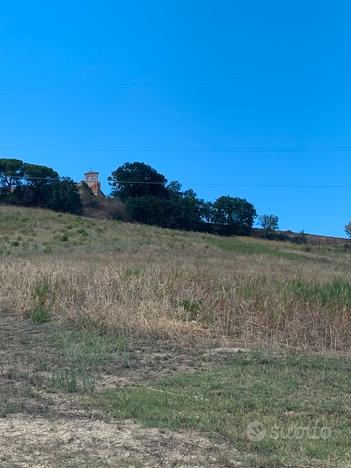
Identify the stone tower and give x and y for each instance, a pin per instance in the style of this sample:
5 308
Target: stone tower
91 178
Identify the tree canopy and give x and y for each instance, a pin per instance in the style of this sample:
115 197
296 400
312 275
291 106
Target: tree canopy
11 173
64 196
236 214
149 200
137 179
269 223
38 182
35 185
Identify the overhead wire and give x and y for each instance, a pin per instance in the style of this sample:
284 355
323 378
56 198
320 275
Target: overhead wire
141 182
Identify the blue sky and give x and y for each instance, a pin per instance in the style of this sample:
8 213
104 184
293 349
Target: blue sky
87 84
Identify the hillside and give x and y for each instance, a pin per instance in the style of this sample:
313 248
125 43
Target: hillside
148 280
128 345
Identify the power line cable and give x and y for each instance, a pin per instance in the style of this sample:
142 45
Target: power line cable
224 184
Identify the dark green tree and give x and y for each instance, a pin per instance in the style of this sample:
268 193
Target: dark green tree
149 209
269 223
348 229
11 174
137 180
206 210
175 209
64 196
38 181
234 215
174 189
185 211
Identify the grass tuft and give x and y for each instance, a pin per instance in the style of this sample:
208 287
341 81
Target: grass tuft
40 315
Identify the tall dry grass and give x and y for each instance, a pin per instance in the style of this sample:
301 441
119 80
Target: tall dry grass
171 294
154 282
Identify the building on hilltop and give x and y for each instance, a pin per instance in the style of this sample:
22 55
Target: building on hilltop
91 178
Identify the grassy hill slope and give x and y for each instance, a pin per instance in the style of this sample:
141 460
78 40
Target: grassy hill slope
150 347
150 281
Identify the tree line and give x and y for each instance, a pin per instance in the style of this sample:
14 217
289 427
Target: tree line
150 199
139 193
28 184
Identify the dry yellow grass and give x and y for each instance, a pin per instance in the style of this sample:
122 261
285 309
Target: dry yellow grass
154 282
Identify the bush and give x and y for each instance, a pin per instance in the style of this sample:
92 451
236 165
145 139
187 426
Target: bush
300 238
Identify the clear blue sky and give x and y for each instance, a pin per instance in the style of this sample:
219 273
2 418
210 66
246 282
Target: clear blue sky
187 73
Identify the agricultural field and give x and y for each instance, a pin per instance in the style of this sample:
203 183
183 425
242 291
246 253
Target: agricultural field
129 345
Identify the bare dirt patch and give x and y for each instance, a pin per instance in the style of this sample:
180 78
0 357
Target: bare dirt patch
41 442
43 428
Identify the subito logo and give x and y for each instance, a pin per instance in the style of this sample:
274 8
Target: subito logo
256 431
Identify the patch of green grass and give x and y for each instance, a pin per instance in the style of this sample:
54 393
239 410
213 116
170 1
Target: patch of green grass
64 237
248 247
81 352
84 349
43 297
83 232
132 271
14 398
40 315
47 250
191 308
336 292
64 381
283 410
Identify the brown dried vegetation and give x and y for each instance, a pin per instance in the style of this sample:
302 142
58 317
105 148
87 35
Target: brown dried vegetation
153 282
